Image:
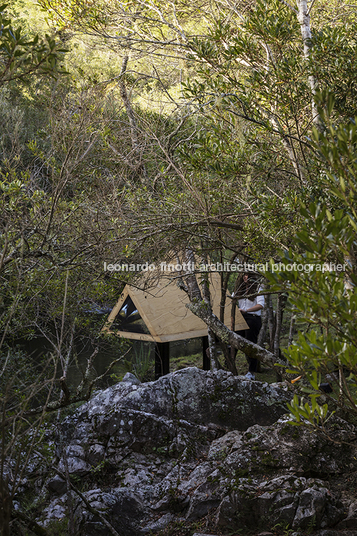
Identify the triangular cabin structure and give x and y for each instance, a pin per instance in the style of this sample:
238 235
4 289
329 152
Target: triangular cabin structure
160 315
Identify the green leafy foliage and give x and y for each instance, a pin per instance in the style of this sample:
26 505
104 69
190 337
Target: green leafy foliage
309 412
21 56
322 284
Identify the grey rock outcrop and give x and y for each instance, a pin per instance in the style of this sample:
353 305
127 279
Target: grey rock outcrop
188 445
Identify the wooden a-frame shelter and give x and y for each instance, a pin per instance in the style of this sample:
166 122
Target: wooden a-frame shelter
160 315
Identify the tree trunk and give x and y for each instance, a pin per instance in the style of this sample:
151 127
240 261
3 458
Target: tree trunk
281 301
229 352
289 147
271 322
280 306
131 116
291 330
264 328
212 346
5 506
304 20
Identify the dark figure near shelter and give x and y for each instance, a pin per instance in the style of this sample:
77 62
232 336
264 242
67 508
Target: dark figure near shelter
250 305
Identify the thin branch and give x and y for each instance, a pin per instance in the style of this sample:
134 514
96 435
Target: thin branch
92 510
288 5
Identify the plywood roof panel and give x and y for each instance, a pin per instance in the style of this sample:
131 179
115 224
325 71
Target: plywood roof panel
165 314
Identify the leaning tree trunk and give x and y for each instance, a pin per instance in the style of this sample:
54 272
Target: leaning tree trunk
201 309
251 349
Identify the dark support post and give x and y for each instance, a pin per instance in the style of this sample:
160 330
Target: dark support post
206 359
162 359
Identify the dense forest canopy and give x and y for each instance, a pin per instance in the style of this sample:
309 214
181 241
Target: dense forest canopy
131 129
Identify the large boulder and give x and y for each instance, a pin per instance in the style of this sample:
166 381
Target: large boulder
197 396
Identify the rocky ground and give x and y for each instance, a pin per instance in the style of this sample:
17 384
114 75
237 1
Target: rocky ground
199 452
